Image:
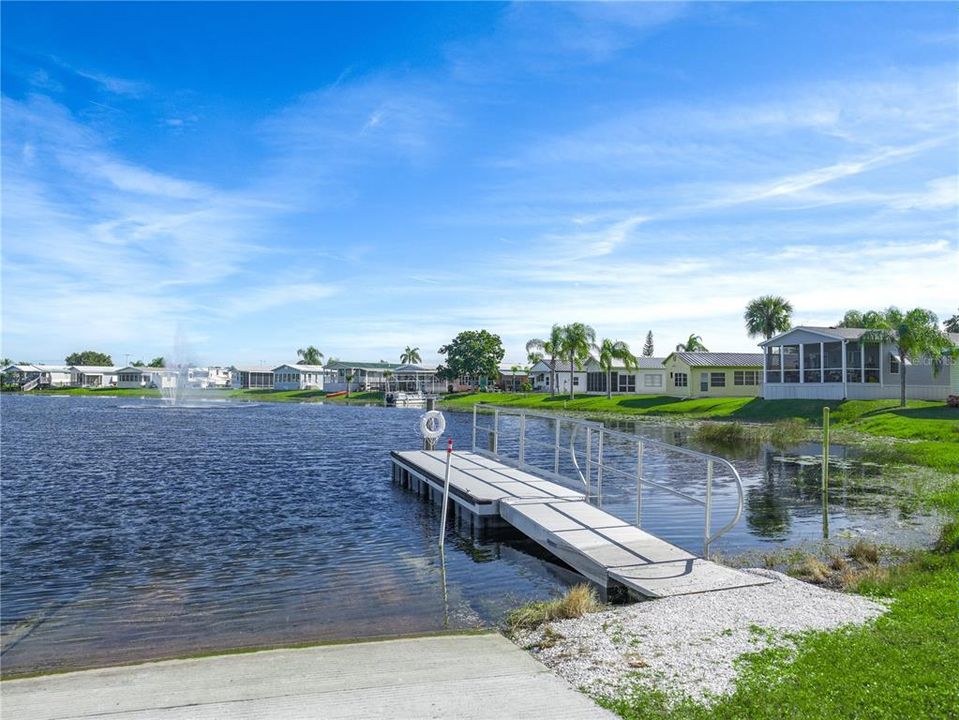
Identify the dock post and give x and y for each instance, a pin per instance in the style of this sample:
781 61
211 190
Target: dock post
474 427
589 460
599 470
556 449
825 472
639 483
446 490
707 529
494 436
522 440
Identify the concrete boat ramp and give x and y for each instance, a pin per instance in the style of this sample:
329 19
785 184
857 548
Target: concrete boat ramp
466 677
610 552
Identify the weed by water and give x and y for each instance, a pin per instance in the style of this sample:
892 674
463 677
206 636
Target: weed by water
580 599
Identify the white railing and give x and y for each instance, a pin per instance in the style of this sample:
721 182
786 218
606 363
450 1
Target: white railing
571 440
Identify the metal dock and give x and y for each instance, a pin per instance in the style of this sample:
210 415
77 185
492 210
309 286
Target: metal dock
523 478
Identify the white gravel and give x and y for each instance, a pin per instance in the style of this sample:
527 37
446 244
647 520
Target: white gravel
688 645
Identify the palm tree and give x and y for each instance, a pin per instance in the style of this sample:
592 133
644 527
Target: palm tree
916 334
533 357
951 325
610 350
349 379
694 343
387 374
410 356
309 356
549 347
857 319
767 315
578 340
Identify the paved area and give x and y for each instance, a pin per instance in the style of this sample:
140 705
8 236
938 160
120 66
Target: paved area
478 676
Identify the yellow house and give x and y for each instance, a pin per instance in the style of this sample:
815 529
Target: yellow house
713 374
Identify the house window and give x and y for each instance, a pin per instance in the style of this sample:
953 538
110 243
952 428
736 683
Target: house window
893 364
871 359
595 382
812 363
853 363
652 381
832 362
627 383
790 358
773 364
717 379
680 380
575 380
747 377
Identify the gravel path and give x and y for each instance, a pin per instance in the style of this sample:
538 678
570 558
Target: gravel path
687 645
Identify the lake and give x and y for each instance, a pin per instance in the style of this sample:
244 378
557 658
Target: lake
132 530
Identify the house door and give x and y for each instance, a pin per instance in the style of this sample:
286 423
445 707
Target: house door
704 382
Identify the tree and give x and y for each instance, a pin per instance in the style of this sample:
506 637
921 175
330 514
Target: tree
138 363
533 357
951 325
4 362
411 356
550 347
89 357
472 353
916 334
768 315
610 350
156 362
857 319
349 379
387 374
648 345
694 343
309 356
578 340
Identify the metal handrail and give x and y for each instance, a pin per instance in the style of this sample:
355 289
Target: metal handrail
602 434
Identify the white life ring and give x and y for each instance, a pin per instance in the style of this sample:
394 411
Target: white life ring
432 431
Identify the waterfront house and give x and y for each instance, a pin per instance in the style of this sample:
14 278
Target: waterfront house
131 377
299 377
713 374
511 379
93 375
30 376
833 363
416 377
365 376
251 377
540 373
649 378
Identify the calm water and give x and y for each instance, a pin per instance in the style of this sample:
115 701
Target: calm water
131 530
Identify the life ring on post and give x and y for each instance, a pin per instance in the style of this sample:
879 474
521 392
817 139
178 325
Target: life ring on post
432 424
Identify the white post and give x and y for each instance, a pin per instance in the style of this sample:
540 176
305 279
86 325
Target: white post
474 427
802 363
522 439
845 389
639 483
709 508
556 449
589 460
446 489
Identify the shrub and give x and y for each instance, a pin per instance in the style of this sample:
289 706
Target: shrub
580 599
722 433
864 552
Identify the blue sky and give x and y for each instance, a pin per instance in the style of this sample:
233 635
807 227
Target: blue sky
362 177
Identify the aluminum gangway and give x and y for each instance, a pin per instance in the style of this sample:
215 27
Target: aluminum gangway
548 484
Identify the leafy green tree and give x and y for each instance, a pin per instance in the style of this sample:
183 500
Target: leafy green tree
157 362
349 379
4 362
473 353
309 356
550 347
648 345
768 315
694 343
89 357
579 340
916 335
411 356
858 319
610 351
533 357
138 363
951 325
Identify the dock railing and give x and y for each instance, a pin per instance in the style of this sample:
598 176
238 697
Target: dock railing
571 446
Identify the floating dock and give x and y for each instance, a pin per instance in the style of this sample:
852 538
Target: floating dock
610 552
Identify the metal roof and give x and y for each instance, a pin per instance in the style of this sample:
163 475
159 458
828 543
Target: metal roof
344 365
720 359
298 366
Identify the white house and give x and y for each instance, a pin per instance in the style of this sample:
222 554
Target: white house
363 376
415 377
251 377
298 377
649 378
93 375
833 363
32 376
131 377
540 377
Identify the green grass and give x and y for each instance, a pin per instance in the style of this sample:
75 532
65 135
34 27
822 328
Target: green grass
101 392
903 665
268 395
